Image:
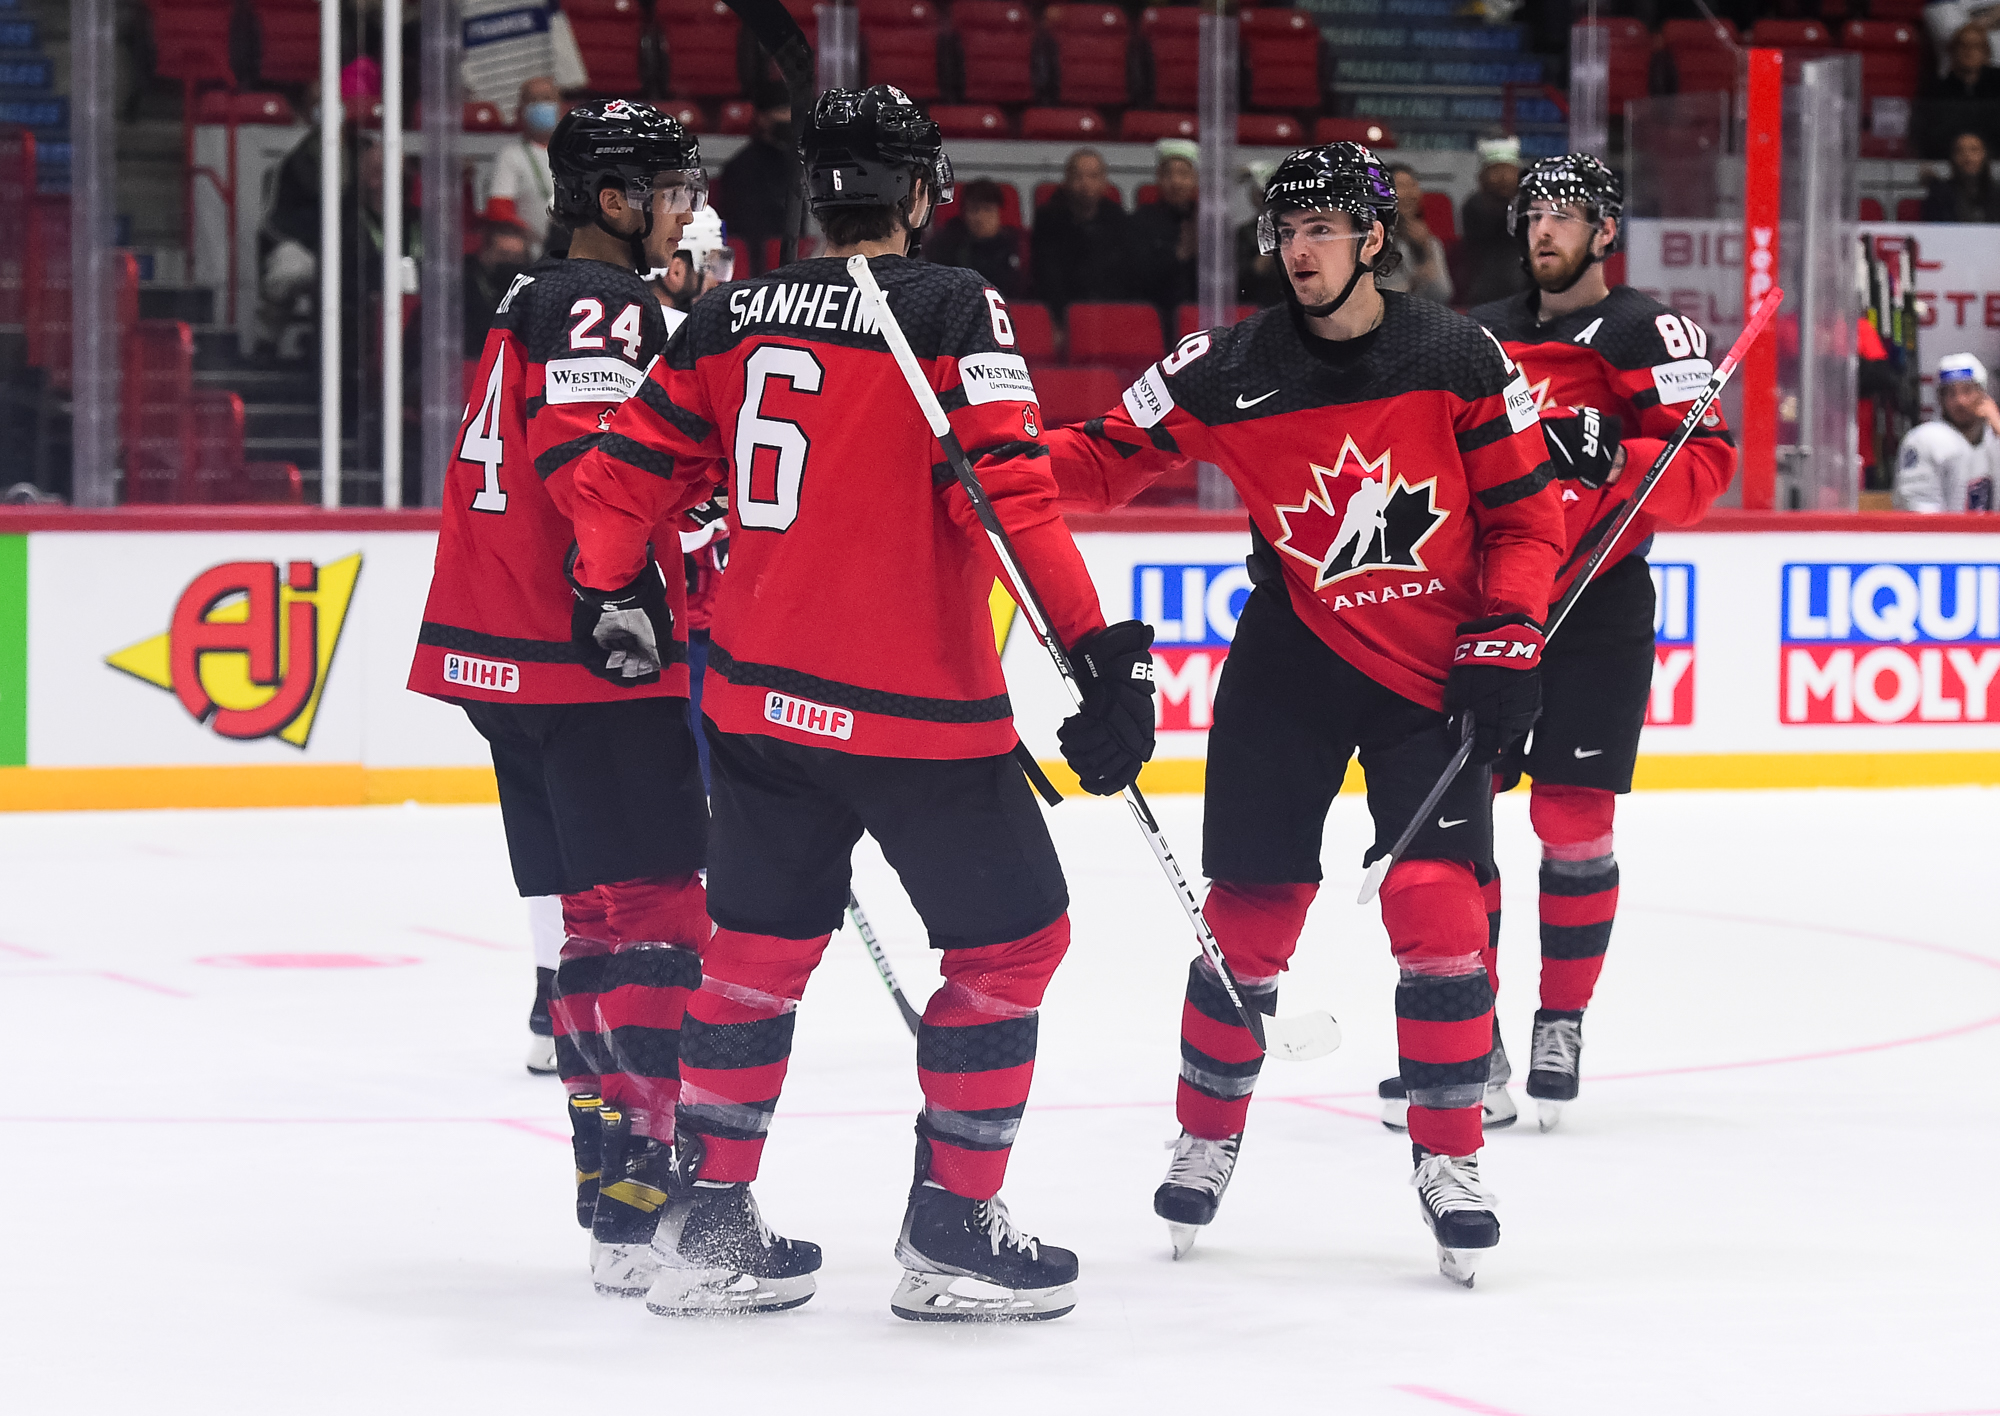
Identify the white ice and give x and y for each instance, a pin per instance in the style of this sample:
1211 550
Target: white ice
301 1190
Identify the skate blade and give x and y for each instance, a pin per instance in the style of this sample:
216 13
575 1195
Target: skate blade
1498 1111
1396 1113
952 1298
622 1270
541 1056
1183 1237
1548 1114
721 1292
1461 1266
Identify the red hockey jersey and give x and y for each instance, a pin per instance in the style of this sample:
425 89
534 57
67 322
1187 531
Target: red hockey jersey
1400 480
1634 357
855 613
569 342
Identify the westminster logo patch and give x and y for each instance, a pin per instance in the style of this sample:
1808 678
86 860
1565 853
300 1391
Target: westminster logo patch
1358 516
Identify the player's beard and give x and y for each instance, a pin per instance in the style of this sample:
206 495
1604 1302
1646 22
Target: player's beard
1563 276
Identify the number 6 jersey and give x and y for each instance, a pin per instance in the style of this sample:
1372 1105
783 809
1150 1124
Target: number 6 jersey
855 614
568 344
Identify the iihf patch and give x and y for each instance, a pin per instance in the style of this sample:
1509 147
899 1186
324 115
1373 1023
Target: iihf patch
808 717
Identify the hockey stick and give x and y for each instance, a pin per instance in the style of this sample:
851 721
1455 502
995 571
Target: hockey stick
772 26
1296 1038
874 948
1371 884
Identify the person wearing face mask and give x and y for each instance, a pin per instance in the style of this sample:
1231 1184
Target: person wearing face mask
1404 534
521 183
751 191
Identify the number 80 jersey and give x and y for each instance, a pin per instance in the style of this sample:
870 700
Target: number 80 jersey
569 343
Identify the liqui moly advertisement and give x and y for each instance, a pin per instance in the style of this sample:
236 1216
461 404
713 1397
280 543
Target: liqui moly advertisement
1890 642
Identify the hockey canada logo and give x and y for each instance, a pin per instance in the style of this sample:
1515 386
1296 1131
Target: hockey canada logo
1353 521
249 646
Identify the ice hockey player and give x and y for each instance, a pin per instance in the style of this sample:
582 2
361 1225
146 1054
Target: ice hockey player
599 791
701 262
1613 373
1404 534
853 685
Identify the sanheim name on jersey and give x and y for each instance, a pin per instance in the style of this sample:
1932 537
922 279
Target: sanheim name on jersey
807 305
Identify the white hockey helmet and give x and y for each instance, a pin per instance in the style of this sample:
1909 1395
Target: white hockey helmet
1961 368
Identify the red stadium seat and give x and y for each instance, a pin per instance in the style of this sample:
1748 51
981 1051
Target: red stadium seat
1624 29
272 484
1719 34
1791 34
287 42
1704 68
969 120
1064 124
968 15
1085 19
1365 131
1092 45
1878 34
1172 37
607 36
218 445
1871 209
736 117
1269 130
1125 334
1034 331
1890 73
688 115
907 58
484 118
1187 319
218 106
1141 125
700 40
1911 11
1909 209
1281 50
997 63
1070 395
156 413
1441 217
806 12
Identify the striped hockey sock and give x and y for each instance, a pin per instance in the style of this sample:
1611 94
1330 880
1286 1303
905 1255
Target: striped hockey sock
1444 1000
1579 880
1258 928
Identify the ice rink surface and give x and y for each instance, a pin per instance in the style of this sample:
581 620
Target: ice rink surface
234 1183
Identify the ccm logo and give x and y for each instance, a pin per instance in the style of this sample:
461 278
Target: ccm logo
1495 649
489 674
809 717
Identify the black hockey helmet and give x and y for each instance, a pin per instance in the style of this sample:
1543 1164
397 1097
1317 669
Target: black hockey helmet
868 147
1333 177
1575 177
632 146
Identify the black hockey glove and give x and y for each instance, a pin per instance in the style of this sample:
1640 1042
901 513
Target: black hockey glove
1583 444
1496 676
1110 737
622 635
706 520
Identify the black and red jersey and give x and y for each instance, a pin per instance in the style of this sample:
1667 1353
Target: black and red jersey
855 614
1399 480
568 344
1634 357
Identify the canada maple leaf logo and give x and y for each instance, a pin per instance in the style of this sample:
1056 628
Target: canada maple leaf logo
1541 395
1352 522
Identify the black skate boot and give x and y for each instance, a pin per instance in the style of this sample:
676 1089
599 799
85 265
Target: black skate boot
1497 1109
541 1028
1554 1062
1196 1178
586 1140
634 1192
717 1255
964 1261
1458 1210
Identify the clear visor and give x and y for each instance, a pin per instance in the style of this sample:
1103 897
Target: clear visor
1277 232
1525 220
946 184
684 189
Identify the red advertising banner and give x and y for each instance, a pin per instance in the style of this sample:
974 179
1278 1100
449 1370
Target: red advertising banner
1763 175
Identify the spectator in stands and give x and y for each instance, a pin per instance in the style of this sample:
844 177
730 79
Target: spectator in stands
1163 235
976 239
1423 270
1080 249
521 185
1968 193
1492 258
1945 19
752 191
1953 464
1259 280
1969 74
504 252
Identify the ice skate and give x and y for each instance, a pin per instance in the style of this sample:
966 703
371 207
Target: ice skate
1458 1209
541 1028
1497 1110
716 1254
586 1143
1196 1178
636 1188
964 1261
1554 1063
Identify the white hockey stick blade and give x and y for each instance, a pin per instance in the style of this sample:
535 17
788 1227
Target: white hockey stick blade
1302 1036
1371 883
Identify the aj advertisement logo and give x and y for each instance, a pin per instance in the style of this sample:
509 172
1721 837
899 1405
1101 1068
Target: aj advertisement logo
249 646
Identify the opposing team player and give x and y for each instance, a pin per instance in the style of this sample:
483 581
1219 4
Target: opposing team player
1404 535
599 790
853 686
1613 373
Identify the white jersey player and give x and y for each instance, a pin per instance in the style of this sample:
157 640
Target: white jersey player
1953 464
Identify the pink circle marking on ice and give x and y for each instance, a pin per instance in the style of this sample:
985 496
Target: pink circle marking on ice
308 961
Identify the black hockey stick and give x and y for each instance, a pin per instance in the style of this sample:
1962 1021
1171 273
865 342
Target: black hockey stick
1296 1038
773 27
1371 884
874 948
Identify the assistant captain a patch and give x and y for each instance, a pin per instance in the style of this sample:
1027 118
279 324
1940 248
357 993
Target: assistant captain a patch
1358 516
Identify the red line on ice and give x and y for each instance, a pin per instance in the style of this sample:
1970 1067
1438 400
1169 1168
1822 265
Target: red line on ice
23 951
99 973
1445 1398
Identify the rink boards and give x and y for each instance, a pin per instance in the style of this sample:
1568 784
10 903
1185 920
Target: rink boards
260 659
